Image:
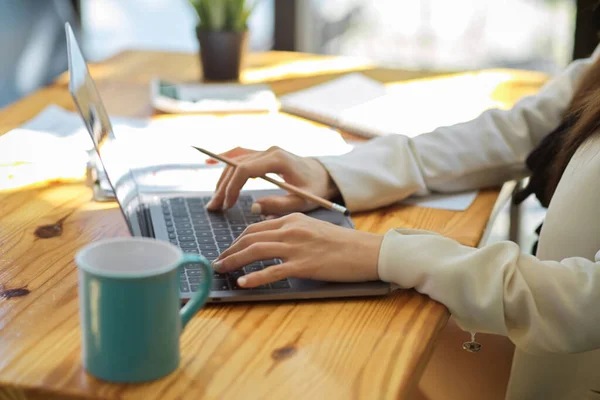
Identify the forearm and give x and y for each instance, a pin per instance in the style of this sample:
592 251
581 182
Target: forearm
484 152
375 173
540 305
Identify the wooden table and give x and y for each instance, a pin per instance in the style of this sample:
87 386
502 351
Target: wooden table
347 348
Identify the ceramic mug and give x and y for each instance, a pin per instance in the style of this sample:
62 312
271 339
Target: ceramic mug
131 315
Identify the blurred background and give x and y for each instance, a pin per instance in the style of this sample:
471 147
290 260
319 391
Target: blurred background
418 34
436 35
433 35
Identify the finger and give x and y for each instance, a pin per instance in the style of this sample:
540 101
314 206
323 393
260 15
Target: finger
252 253
262 226
225 201
247 240
216 203
268 225
254 167
279 205
222 184
270 274
229 168
238 151
233 153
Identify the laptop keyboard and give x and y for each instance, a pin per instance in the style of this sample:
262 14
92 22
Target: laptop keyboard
195 230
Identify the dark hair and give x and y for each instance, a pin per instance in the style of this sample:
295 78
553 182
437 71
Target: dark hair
585 111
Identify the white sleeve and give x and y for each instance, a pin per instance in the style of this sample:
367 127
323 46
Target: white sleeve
486 151
542 306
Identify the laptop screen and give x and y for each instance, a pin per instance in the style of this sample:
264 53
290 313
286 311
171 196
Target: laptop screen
112 158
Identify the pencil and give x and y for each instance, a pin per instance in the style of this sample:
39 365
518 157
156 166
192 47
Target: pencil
284 185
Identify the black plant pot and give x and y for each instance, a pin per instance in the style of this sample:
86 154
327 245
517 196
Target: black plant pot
222 54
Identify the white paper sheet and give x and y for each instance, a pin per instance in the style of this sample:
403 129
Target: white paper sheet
56 145
171 139
452 201
168 139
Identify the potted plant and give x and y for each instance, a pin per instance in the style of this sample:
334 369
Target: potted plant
223 34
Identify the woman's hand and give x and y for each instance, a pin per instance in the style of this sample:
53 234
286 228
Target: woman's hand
309 248
305 173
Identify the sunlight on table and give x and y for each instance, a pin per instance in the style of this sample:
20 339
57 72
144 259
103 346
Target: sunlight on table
306 67
145 144
22 175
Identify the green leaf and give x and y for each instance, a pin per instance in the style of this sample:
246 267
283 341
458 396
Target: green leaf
242 23
204 18
223 15
217 13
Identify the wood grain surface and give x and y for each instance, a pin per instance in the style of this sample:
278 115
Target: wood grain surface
348 348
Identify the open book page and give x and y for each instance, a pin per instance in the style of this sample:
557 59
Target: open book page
421 106
360 105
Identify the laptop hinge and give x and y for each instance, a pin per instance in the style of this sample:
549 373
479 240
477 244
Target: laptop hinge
145 222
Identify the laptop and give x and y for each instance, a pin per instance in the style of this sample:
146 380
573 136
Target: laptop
181 217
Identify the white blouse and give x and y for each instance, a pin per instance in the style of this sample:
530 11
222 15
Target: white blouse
548 305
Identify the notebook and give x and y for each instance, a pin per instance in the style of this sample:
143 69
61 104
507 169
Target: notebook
330 102
363 106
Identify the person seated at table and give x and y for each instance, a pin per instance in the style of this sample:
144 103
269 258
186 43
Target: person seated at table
548 304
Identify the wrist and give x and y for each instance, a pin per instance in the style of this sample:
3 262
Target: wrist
366 255
377 241
331 191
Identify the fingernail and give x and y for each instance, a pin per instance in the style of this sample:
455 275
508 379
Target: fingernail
210 203
256 208
242 281
217 265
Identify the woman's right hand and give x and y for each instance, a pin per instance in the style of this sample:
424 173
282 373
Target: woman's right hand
305 173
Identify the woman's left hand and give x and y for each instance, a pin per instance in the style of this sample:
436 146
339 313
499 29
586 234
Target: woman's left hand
309 248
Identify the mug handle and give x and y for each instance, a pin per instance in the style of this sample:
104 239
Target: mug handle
198 300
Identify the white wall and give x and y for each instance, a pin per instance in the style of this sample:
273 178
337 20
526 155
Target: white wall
113 25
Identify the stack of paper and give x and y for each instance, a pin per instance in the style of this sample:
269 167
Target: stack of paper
52 145
215 97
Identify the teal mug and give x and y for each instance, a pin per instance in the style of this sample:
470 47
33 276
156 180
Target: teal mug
131 315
